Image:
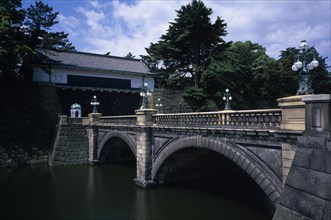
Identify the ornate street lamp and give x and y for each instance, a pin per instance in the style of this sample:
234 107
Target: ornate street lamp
145 93
227 98
301 63
94 103
158 105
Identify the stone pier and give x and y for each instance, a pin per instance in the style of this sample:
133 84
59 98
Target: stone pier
307 191
92 133
144 140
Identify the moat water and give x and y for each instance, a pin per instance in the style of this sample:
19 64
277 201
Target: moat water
108 192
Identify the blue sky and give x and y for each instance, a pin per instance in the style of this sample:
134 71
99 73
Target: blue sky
122 26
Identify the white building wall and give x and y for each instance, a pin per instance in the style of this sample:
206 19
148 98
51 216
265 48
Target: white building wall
40 75
60 76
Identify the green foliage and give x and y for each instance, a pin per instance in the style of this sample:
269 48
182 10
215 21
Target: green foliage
321 78
288 84
11 48
257 80
189 44
198 99
39 20
195 93
236 72
18 42
129 56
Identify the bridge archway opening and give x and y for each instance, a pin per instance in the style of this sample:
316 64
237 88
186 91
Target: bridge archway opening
208 171
117 151
193 163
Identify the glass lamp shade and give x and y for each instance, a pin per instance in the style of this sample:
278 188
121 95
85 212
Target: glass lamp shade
303 45
224 98
310 66
227 90
146 84
142 94
298 64
315 63
149 94
294 68
230 98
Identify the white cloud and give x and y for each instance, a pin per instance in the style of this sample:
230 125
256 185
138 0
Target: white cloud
122 26
93 19
277 25
69 24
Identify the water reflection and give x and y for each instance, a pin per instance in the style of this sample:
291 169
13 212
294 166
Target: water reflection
107 192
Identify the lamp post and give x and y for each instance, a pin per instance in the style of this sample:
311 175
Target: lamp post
301 63
94 103
145 93
227 98
158 105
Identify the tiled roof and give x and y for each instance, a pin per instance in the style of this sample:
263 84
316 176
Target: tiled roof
95 61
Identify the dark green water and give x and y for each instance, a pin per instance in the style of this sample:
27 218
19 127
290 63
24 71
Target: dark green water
108 192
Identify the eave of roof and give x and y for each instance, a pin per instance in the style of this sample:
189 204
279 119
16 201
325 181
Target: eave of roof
94 62
104 70
99 89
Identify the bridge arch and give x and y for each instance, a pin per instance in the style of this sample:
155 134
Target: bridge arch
120 135
264 177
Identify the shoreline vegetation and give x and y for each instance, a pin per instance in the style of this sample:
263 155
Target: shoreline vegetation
16 156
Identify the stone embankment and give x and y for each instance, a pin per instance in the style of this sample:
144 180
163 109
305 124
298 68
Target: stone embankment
16 156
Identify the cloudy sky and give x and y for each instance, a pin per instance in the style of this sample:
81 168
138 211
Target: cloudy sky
122 26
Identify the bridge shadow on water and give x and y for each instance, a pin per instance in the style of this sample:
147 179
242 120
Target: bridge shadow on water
208 172
232 185
236 187
197 170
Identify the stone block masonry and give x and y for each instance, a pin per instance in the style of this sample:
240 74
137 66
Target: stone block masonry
144 148
307 193
172 101
288 152
71 145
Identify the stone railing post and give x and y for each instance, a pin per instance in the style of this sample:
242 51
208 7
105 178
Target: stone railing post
293 118
309 178
293 113
63 119
92 131
225 118
318 115
144 141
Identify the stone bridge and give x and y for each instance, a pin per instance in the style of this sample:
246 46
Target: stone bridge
177 147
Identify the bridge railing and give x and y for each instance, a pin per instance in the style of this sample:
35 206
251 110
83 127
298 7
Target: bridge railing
124 120
261 118
75 120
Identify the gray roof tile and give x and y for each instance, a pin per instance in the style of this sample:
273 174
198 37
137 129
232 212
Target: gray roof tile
95 61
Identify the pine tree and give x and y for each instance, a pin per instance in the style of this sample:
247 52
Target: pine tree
130 56
11 47
190 43
40 18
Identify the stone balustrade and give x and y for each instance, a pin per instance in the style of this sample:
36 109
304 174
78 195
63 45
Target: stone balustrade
261 118
123 120
75 120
